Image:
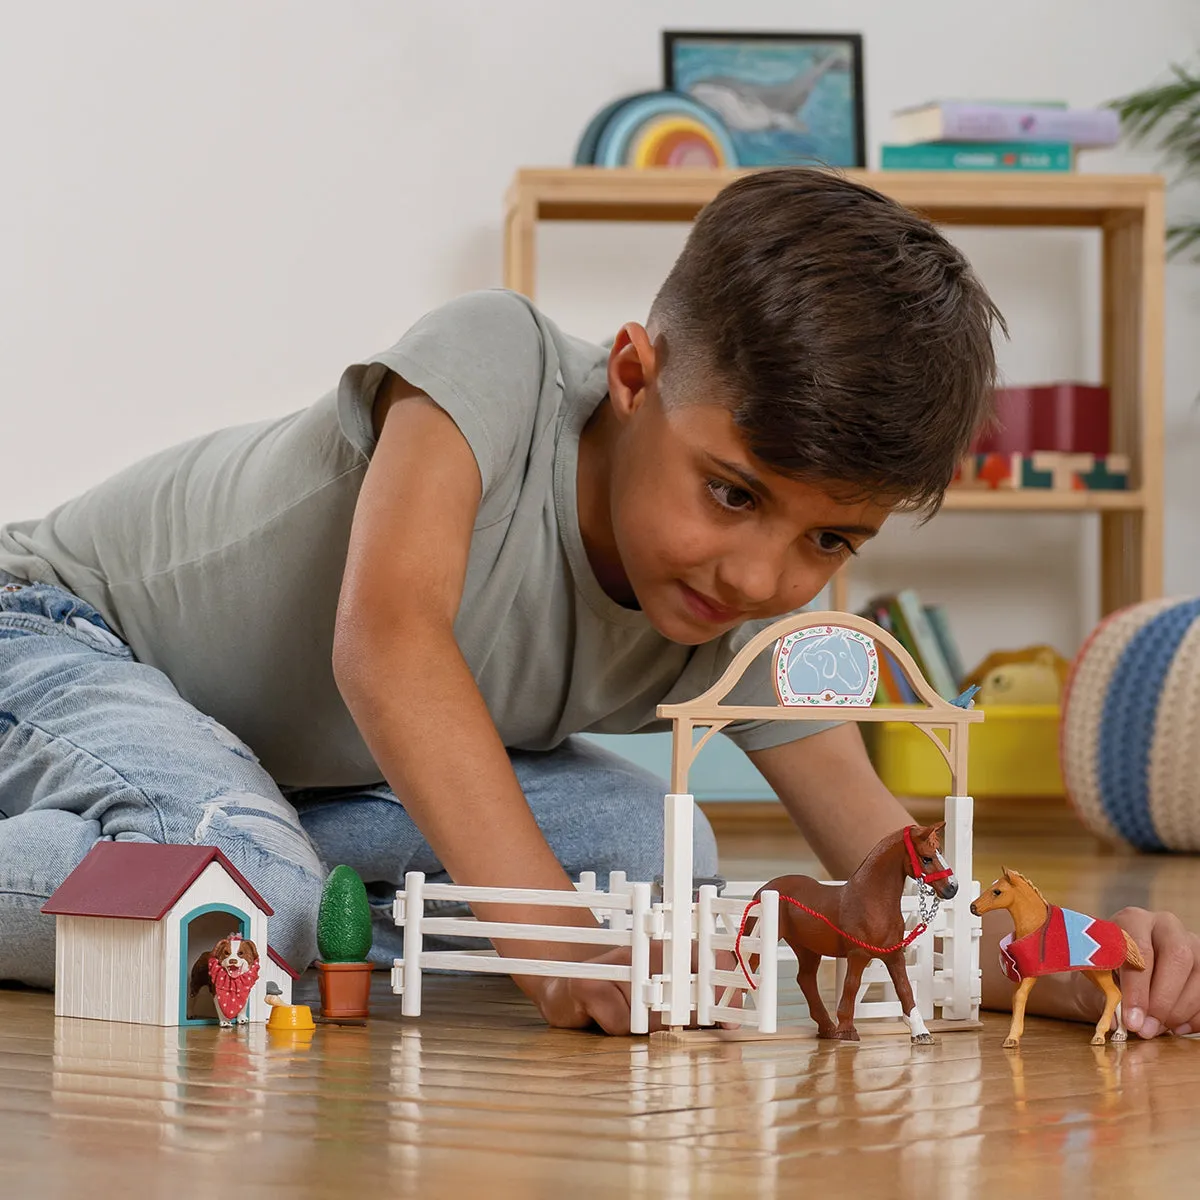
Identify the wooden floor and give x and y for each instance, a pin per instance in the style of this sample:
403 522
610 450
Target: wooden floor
478 1099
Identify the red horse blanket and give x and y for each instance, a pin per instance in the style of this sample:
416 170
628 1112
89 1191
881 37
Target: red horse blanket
1068 941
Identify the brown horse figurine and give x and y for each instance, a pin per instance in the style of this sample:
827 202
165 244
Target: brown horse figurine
1047 939
861 920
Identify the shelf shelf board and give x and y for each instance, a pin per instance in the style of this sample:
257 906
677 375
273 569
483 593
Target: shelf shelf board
977 198
1042 500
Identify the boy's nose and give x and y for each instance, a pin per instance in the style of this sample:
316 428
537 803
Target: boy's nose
759 585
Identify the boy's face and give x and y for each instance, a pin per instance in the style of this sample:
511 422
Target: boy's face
705 536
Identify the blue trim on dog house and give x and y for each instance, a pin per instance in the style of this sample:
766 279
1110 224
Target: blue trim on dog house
184 971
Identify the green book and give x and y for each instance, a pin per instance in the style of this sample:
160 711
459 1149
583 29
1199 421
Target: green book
933 664
940 623
978 156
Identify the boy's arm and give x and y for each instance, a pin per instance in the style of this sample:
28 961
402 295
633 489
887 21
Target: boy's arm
829 788
413 697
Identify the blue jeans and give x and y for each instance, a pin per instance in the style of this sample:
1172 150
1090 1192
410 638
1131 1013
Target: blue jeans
96 746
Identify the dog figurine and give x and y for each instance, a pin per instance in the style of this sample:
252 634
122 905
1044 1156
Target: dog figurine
229 971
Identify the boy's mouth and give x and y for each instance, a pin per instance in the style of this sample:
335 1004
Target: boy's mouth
706 610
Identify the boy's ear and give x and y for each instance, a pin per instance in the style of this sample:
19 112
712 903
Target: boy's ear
632 367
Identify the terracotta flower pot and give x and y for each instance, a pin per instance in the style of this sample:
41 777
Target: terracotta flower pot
345 988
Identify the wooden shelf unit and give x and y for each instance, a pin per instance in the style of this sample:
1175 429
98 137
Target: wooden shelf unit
1126 209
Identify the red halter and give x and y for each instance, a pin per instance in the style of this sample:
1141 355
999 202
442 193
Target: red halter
919 875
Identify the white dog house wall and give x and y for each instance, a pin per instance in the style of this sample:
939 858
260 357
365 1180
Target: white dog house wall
132 920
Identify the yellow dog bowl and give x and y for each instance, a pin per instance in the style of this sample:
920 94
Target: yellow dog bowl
291 1018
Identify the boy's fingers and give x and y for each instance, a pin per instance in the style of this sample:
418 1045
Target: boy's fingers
1186 1010
1174 962
1135 985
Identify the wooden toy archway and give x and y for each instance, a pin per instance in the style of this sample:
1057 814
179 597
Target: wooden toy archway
838 652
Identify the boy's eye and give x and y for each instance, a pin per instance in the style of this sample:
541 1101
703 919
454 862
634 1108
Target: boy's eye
730 496
833 543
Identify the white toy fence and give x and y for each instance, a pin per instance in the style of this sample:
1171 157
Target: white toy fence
629 923
944 979
685 922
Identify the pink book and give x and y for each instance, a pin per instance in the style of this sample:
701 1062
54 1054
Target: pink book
959 121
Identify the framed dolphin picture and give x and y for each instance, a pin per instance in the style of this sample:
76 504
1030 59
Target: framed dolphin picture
786 98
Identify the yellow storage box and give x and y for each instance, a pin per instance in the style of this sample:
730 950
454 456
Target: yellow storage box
1013 752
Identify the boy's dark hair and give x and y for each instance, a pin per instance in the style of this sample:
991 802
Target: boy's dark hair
856 340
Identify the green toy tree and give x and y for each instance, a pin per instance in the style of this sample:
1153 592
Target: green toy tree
1170 111
344 918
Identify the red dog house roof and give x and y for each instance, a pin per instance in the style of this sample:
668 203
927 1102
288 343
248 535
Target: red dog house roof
280 962
138 880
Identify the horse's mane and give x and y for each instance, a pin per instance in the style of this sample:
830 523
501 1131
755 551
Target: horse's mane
1028 883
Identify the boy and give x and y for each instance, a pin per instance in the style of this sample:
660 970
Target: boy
488 539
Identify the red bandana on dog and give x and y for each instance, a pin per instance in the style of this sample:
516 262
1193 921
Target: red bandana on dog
231 992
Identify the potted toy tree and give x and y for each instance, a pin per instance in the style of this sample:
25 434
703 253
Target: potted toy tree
344 940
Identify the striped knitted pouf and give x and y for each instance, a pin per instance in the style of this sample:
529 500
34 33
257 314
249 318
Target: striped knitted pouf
1130 735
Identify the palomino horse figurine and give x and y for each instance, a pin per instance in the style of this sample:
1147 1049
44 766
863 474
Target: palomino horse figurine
1047 939
861 920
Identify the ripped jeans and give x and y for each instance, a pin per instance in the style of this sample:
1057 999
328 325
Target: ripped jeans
95 745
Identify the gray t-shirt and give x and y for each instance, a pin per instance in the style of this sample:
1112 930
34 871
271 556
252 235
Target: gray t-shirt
219 561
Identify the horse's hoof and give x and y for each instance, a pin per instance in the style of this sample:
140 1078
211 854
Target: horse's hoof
843 1035
1098 1039
1011 1043
1119 1036
922 1039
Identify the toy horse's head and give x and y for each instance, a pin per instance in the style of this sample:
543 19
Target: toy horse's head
1011 888
925 861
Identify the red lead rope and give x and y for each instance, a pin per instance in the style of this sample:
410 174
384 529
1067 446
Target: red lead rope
876 950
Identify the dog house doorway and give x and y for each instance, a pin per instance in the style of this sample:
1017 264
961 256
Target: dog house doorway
199 931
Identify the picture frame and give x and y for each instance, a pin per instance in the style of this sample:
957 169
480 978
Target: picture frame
786 98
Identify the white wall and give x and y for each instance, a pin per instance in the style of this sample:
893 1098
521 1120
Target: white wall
207 210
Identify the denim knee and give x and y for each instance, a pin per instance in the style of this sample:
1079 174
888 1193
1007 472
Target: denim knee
600 812
280 864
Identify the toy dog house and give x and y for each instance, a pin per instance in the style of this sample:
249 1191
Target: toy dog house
133 918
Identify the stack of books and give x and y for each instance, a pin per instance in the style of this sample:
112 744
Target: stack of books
924 631
960 135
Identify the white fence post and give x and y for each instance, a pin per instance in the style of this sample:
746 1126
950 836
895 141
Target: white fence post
639 960
617 886
414 911
767 995
960 948
705 957
677 903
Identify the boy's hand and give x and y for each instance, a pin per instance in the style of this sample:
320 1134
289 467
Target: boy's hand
581 1003
1166 995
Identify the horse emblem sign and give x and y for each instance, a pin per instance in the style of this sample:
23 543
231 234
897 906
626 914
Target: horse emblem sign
826 665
